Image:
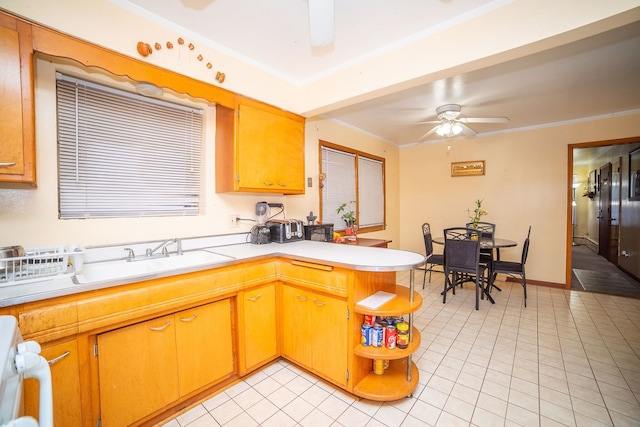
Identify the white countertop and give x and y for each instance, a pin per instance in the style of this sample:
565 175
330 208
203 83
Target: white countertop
346 256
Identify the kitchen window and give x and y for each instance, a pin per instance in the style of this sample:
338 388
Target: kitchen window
352 176
124 155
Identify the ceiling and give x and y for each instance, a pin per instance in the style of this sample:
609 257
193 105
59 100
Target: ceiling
593 77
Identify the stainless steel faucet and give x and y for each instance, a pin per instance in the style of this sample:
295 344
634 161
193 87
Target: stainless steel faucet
164 245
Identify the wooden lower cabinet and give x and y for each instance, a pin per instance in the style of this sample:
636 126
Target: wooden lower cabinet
65 382
258 331
204 345
146 366
314 332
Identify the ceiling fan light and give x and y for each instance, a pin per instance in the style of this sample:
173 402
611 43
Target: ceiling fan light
444 129
321 22
449 129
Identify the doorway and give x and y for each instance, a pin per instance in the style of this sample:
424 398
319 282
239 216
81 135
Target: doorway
594 219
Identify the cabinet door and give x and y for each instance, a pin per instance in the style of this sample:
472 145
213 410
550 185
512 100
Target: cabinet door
204 345
290 158
270 151
137 370
297 325
259 326
17 147
65 382
329 337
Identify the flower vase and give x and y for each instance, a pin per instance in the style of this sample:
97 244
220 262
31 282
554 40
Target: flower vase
351 233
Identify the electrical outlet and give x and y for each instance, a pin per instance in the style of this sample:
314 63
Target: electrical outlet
233 221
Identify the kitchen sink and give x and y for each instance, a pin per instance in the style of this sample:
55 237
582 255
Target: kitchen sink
122 269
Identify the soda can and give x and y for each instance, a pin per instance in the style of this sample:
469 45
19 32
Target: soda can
365 334
390 336
377 336
369 319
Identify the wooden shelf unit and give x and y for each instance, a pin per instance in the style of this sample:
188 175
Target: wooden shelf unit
401 377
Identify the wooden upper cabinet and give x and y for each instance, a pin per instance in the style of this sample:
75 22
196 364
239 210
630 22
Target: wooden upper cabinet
266 153
17 142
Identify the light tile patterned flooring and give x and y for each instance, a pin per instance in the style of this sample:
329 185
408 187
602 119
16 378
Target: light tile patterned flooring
569 358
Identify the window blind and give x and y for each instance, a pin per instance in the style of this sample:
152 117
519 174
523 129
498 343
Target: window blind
370 192
125 155
339 185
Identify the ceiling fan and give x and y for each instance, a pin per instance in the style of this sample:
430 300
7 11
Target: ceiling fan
450 124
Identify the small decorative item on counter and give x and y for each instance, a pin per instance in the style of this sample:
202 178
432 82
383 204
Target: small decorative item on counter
349 218
311 218
402 337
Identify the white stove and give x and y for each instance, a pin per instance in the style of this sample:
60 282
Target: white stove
18 360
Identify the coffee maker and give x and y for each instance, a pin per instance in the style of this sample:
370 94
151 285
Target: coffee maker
260 233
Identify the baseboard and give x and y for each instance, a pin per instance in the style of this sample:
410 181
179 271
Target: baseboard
537 283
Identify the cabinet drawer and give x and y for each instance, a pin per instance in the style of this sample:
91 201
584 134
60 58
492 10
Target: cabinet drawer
315 276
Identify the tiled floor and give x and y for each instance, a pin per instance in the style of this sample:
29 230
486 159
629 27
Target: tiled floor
569 358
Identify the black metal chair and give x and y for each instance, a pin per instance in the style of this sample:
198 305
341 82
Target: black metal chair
487 234
433 260
513 268
462 261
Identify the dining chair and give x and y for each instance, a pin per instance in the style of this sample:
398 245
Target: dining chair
513 268
487 234
462 261
432 260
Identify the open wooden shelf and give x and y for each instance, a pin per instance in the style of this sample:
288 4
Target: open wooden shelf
392 385
397 306
386 353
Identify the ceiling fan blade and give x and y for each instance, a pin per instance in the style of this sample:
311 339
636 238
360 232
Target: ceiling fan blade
427 134
420 123
467 131
321 22
483 119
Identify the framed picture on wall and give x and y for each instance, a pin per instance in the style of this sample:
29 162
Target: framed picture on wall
634 175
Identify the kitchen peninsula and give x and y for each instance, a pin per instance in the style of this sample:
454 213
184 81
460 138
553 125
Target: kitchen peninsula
258 303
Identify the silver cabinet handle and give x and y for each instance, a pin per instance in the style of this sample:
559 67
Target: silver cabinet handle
188 319
59 358
268 183
281 184
254 298
319 303
7 164
161 328
301 298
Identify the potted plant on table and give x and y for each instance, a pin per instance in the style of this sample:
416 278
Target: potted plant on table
477 213
349 218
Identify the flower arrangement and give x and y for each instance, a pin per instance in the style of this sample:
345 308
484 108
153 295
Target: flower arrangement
477 214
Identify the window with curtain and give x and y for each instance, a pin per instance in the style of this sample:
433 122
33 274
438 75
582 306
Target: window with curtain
124 155
354 178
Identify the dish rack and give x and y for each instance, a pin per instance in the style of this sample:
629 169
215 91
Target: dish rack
37 262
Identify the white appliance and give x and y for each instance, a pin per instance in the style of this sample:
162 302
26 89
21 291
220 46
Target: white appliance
18 360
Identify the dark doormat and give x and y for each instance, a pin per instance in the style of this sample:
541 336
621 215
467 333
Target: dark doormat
606 282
